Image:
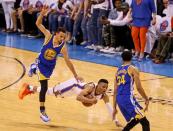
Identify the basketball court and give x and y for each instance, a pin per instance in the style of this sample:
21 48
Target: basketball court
67 114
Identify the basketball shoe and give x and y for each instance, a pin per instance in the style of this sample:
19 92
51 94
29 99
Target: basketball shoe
32 70
44 117
24 91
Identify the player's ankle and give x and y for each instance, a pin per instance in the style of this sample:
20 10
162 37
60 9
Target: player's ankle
42 109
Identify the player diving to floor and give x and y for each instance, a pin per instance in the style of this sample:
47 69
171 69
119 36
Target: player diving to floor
87 93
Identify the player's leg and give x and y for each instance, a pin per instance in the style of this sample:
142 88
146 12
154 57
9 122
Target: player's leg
42 98
136 115
143 120
67 88
63 89
145 124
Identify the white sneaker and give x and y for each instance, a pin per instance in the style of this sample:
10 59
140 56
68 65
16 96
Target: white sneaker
104 50
117 49
98 48
90 47
126 50
44 117
112 50
83 43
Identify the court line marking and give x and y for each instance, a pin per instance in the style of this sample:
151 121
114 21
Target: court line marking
22 75
164 77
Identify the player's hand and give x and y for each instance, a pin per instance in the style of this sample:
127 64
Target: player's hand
45 10
146 105
114 113
79 79
94 100
118 124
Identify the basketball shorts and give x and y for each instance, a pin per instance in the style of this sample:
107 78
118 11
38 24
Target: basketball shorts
129 107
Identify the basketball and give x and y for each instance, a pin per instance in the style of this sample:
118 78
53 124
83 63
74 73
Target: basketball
88 104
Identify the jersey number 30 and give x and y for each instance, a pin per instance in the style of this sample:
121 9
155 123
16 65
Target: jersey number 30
121 80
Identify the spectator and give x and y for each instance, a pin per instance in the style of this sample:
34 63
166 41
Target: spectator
100 9
77 16
25 5
161 28
164 47
30 17
121 30
109 30
68 22
160 7
52 14
14 15
168 11
8 6
142 12
166 40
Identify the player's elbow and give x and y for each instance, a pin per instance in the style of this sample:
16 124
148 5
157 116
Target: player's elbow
37 23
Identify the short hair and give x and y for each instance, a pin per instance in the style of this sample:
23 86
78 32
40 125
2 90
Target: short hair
126 55
61 29
103 80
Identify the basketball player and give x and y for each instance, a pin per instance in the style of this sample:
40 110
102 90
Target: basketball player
123 94
73 87
53 45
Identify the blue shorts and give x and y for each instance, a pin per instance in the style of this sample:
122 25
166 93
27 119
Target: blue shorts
129 107
46 70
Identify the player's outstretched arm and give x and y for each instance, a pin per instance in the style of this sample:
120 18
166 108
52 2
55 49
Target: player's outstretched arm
39 22
114 99
110 110
135 73
69 63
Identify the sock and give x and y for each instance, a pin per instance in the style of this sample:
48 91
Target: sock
42 109
31 88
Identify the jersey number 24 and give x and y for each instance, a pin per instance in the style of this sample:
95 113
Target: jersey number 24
121 80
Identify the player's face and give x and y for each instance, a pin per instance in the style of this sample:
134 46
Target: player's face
60 37
102 87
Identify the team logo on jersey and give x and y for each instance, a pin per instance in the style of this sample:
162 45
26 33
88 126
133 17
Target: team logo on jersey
50 54
164 25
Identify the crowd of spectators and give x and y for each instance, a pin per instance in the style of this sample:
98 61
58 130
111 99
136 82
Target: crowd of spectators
109 26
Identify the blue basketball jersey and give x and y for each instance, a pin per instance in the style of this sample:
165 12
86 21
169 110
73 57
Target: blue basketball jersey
124 81
47 57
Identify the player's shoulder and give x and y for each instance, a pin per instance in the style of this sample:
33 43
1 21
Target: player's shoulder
132 69
90 84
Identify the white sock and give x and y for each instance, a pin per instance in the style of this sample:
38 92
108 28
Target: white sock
31 88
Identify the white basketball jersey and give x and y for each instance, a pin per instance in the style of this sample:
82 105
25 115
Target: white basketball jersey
98 97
